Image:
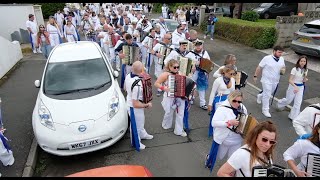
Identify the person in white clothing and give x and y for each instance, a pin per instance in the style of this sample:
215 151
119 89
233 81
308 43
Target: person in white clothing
295 91
54 32
33 30
307 120
59 17
270 66
134 89
149 57
221 88
225 140
163 26
178 35
171 105
108 43
258 150
176 52
164 10
230 59
200 76
300 149
70 32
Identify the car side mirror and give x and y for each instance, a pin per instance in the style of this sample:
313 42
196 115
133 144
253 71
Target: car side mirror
37 83
115 74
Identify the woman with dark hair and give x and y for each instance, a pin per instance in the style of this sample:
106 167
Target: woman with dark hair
221 88
295 91
225 140
43 41
258 150
54 32
300 149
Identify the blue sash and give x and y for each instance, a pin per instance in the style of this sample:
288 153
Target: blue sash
78 36
186 116
5 142
304 136
212 155
302 84
202 81
123 75
60 39
216 100
31 41
148 63
134 132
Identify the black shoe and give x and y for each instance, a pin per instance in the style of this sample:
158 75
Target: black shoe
205 163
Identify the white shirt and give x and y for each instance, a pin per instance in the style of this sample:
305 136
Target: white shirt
196 58
173 55
163 28
271 69
219 122
59 17
177 37
145 42
53 30
69 31
32 25
164 9
297 75
219 88
303 123
136 93
240 159
300 149
217 73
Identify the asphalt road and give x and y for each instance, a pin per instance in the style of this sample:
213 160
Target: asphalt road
166 154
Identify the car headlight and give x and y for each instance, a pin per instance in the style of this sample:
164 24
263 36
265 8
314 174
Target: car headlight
45 116
113 105
260 9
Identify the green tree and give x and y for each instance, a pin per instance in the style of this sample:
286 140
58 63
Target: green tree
49 9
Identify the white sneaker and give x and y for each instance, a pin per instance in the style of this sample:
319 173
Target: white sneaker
204 37
279 108
259 97
183 134
39 51
266 114
148 136
35 51
211 39
142 146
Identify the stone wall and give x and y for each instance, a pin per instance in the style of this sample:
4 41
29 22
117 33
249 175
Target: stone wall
287 25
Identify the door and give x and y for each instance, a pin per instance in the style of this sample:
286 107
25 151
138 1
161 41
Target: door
276 9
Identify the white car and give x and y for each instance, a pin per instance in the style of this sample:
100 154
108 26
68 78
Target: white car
80 107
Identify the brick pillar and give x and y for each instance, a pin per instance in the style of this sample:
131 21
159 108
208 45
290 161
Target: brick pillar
202 14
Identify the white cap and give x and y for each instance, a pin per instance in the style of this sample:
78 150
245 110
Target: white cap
184 22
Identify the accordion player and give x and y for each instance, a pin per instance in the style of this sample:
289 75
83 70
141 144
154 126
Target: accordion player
151 43
146 87
164 51
114 39
246 124
132 54
186 65
240 79
313 164
181 86
206 65
272 171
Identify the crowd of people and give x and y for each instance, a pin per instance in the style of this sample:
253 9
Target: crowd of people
117 26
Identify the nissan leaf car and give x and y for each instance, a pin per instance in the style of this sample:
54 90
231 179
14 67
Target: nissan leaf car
80 107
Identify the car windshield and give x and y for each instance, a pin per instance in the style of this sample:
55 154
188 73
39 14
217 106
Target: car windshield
310 29
75 76
266 5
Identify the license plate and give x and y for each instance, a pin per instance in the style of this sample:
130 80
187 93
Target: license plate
85 144
304 40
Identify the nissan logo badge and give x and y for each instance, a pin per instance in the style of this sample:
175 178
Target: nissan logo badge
82 128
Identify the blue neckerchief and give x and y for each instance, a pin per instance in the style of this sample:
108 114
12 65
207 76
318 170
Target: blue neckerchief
275 58
226 80
133 75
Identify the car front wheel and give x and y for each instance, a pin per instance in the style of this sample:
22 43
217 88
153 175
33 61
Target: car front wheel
266 15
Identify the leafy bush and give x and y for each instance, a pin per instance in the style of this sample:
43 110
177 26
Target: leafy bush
255 34
250 16
49 9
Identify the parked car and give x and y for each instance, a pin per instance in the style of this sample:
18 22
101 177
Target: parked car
307 39
171 24
222 10
80 107
272 10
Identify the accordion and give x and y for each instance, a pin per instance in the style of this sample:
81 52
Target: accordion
146 87
246 124
164 51
90 32
206 65
114 39
241 79
272 171
282 70
132 54
181 86
151 43
186 65
313 164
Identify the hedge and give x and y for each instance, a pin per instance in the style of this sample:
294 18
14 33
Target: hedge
254 34
49 9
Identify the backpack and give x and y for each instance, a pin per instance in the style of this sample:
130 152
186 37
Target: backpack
146 85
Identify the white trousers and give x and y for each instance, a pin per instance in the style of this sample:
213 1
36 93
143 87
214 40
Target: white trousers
170 106
157 68
202 93
229 146
54 40
5 156
70 38
268 90
140 120
34 40
290 96
110 52
164 15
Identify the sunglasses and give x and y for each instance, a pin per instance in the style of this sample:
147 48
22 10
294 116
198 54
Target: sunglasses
181 29
237 101
41 27
176 67
270 141
169 38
